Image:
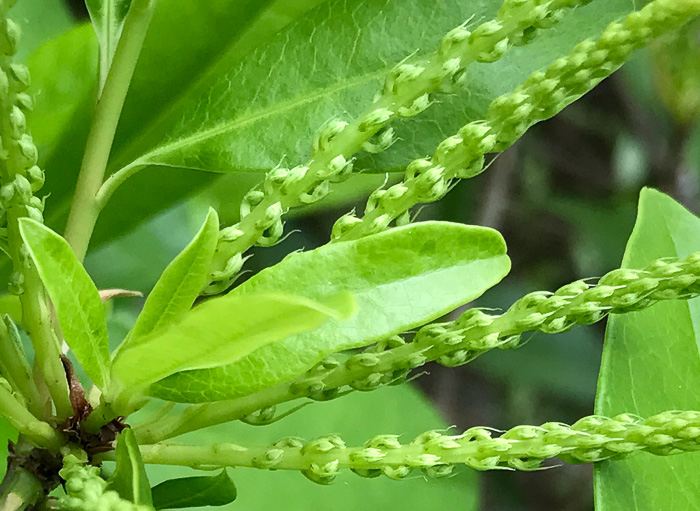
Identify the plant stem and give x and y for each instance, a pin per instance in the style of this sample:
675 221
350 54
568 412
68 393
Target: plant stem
115 181
39 432
21 491
85 208
15 368
37 324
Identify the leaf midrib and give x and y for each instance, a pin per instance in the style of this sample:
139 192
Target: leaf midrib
256 115
94 341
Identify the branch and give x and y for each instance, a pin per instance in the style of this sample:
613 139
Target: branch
21 491
85 207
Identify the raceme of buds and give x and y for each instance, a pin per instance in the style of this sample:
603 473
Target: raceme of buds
406 93
20 178
540 97
578 303
436 453
475 332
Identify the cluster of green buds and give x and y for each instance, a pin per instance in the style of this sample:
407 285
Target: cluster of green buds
87 491
436 453
540 97
20 177
406 93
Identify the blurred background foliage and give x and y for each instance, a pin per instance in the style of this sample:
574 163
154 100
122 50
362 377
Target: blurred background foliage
565 199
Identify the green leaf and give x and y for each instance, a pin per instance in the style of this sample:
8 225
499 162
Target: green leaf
130 480
401 279
282 112
79 308
64 96
651 364
108 19
217 490
11 305
221 331
341 52
180 284
65 76
40 21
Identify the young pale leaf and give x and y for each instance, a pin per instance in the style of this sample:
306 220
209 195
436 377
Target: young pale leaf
130 480
217 490
401 279
79 308
221 331
108 19
651 364
180 284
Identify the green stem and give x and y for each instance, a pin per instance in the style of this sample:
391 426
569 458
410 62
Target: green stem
21 491
15 368
115 181
85 208
39 432
15 168
36 322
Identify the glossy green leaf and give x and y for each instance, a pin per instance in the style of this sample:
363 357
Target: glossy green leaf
65 76
64 96
401 279
284 104
40 21
108 19
221 331
180 283
651 364
130 480
79 308
254 125
185 492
